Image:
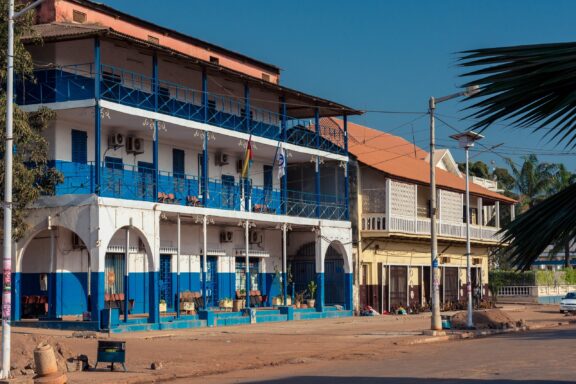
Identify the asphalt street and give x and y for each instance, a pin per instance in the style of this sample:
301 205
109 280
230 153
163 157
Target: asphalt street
543 357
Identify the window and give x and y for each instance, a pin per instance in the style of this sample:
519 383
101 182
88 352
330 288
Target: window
114 273
153 39
178 168
113 167
265 77
214 60
78 17
267 183
79 147
241 274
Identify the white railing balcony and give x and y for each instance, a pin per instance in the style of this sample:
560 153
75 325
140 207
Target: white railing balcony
376 222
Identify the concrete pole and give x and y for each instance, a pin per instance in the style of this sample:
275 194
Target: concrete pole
284 268
7 255
436 323
178 245
469 320
247 238
126 275
204 259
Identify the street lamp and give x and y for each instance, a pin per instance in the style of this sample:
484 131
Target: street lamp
466 140
436 320
7 239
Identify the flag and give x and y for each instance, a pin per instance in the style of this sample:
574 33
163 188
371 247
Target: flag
247 159
281 160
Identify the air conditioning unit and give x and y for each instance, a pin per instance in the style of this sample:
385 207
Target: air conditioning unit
239 164
134 145
444 260
116 140
255 237
226 236
221 158
77 243
476 261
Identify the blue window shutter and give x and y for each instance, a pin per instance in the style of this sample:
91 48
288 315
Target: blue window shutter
178 168
79 147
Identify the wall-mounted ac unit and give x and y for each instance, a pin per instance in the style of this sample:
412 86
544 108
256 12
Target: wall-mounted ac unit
255 237
116 140
239 164
226 236
221 158
77 243
134 145
444 260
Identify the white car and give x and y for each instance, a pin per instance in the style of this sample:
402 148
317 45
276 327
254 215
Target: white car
568 303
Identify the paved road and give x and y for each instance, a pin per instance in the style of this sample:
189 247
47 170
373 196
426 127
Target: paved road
538 357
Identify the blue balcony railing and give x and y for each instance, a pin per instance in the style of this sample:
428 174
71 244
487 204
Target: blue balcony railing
76 82
133 182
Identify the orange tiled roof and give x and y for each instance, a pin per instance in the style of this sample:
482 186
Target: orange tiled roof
401 159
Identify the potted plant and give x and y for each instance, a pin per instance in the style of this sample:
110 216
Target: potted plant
299 299
312 290
226 304
162 305
277 300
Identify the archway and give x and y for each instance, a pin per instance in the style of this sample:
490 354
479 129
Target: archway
129 284
303 267
334 275
52 278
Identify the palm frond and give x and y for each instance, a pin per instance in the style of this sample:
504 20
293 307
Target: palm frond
552 221
530 86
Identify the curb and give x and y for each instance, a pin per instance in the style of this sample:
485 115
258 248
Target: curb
484 333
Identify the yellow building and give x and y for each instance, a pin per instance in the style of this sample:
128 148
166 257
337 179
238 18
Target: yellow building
392 217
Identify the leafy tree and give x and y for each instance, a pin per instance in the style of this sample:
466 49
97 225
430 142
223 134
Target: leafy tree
563 178
32 175
476 168
533 181
505 180
532 88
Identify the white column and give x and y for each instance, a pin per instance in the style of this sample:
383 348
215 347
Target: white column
284 268
480 211
126 274
204 258
497 213
388 203
247 241
178 245
416 207
512 212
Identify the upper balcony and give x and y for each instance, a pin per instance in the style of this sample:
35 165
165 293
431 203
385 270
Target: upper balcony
118 85
403 209
137 182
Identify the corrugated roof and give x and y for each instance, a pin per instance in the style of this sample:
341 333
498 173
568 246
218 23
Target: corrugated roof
58 31
402 159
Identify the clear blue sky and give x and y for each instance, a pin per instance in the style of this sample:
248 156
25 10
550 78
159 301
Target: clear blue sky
378 55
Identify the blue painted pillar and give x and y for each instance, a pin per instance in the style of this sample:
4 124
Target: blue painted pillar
317 174
204 180
349 291
284 183
247 119
346 182
16 299
97 119
320 291
96 294
156 138
154 311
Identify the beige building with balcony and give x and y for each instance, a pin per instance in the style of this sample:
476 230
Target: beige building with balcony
392 217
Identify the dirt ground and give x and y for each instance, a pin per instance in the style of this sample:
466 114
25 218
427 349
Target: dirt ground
484 319
206 351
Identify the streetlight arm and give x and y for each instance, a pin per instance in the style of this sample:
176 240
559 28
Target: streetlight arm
26 9
471 90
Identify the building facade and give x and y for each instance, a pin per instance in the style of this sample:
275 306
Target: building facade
151 135
392 223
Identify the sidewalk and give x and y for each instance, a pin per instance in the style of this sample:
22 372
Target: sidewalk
199 352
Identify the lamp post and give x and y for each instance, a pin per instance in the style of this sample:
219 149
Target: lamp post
7 239
466 140
436 320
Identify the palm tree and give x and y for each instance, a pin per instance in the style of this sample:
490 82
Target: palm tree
533 181
533 87
563 178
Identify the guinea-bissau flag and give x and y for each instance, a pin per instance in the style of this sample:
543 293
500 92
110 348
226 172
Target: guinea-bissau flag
247 159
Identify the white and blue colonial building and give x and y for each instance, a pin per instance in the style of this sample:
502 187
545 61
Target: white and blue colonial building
150 134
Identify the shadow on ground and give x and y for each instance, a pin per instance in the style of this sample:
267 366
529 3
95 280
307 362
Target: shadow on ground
398 380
